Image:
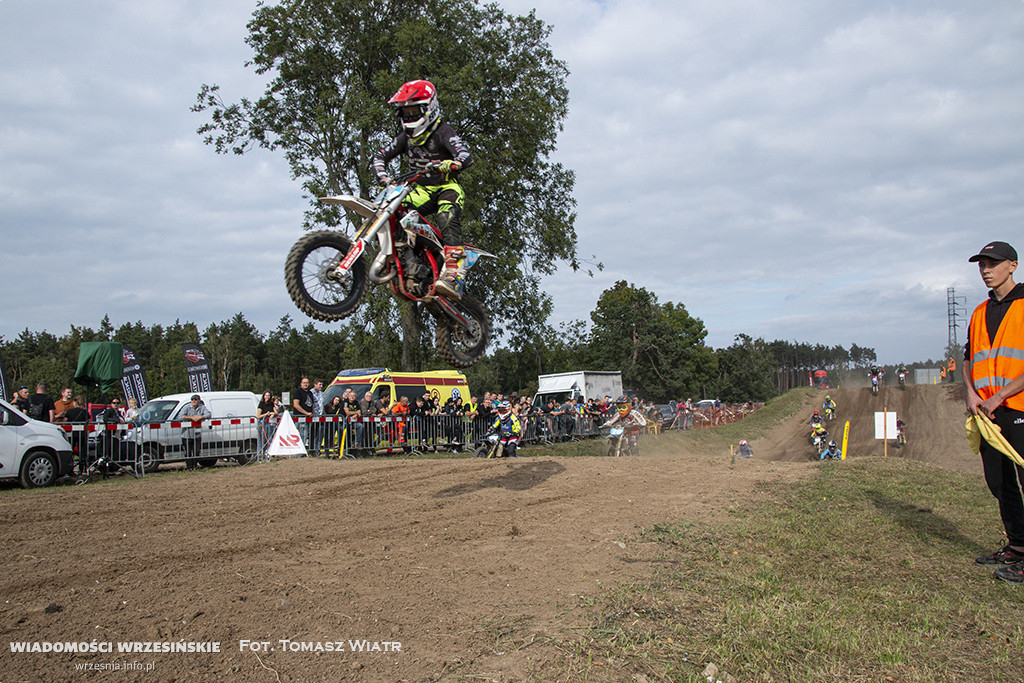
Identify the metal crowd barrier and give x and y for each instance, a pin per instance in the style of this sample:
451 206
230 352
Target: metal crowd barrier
336 436
143 448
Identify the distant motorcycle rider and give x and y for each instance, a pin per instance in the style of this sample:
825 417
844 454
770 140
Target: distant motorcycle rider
425 138
508 428
631 420
832 452
815 419
829 405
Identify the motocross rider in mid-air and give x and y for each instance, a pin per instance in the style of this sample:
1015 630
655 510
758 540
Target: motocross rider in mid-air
631 420
424 138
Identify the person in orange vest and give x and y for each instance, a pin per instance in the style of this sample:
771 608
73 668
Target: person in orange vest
942 372
397 431
993 375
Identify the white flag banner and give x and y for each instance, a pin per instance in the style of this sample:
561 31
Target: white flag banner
286 441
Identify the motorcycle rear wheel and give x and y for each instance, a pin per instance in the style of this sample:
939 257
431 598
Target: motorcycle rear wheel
311 284
459 346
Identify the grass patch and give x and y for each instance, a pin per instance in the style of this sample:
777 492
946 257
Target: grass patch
864 573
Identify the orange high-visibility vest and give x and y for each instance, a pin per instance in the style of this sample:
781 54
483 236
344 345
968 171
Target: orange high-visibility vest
995 364
952 364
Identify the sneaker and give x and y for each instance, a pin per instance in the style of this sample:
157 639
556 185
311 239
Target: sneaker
1005 555
1011 573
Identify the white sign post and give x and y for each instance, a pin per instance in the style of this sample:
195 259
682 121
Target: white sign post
885 428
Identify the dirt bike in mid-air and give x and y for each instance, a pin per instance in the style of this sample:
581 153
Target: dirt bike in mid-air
327 273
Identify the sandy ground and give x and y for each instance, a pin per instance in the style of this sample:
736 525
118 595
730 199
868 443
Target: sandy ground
425 564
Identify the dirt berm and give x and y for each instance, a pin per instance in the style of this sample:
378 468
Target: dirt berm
374 570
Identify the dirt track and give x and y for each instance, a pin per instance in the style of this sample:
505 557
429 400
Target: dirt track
444 557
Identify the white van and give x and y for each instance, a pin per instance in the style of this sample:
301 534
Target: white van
33 452
232 434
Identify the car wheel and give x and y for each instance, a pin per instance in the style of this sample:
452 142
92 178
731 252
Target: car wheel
150 458
248 453
38 469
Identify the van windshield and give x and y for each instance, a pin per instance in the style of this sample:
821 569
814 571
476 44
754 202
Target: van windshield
337 389
156 411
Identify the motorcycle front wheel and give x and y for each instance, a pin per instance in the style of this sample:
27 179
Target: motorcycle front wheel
312 285
463 345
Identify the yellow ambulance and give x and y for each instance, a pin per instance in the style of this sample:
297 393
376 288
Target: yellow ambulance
391 386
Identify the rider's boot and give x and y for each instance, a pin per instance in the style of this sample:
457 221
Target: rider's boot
450 280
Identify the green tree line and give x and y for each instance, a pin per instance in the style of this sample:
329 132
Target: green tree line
659 348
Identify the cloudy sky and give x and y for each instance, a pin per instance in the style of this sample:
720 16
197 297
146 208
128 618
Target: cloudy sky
797 170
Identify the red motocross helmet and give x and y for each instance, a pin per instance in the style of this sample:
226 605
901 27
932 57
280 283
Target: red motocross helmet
418 109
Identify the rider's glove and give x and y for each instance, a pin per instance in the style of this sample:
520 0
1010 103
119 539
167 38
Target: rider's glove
448 165
385 180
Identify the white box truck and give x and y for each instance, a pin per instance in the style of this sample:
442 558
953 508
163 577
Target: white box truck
583 384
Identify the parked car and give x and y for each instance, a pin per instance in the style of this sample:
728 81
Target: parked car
33 452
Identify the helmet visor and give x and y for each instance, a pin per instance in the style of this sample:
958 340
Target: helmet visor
410 113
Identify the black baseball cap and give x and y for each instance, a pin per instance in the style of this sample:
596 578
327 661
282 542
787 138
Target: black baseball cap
997 251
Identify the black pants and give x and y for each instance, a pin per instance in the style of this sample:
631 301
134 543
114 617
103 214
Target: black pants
1004 477
192 446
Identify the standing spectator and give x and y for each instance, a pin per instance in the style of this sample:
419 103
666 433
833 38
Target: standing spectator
20 400
77 414
192 435
401 411
352 411
110 442
417 413
993 376
568 418
40 405
370 407
317 431
336 411
302 407
453 412
62 405
267 410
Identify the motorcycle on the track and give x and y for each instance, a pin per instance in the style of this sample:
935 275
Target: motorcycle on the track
901 435
819 441
830 413
874 385
903 381
491 447
327 272
621 442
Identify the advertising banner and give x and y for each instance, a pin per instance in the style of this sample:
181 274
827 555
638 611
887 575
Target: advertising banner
197 367
133 380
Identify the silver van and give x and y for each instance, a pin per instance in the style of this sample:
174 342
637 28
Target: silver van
33 452
232 433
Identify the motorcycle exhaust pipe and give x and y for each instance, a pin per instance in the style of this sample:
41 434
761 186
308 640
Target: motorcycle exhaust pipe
378 273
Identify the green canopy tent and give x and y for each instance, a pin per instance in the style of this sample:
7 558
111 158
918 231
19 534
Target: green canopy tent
100 364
